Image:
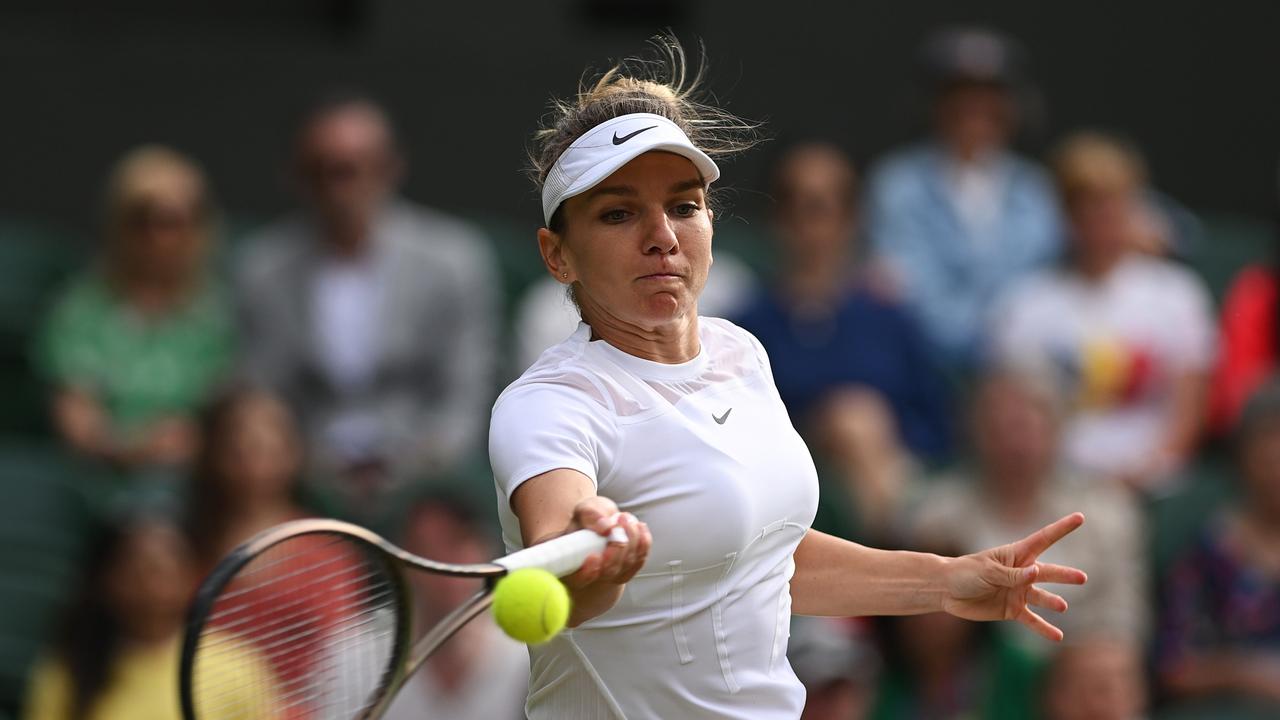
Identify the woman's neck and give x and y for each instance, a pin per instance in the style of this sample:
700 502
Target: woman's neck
672 343
250 518
1096 267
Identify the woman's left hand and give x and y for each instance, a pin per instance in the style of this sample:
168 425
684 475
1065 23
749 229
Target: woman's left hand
999 584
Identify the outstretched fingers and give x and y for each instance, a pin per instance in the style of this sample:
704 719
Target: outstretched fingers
1062 574
1030 547
1045 599
1041 626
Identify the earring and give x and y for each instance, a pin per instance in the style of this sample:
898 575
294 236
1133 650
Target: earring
564 275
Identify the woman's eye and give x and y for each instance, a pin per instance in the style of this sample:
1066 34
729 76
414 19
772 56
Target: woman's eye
614 216
687 209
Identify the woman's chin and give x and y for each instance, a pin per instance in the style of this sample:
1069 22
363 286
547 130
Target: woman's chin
663 308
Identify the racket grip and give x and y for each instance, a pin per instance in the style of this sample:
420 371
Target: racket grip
563 555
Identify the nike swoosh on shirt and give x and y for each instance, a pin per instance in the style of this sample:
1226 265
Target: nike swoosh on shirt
619 140
720 420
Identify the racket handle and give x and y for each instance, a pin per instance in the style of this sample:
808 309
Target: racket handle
563 555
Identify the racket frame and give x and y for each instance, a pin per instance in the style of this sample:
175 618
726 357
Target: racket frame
406 655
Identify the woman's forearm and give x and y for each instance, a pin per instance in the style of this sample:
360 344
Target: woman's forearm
835 577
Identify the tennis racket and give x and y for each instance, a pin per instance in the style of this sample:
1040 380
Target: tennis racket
313 619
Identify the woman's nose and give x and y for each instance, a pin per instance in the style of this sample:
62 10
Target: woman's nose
660 236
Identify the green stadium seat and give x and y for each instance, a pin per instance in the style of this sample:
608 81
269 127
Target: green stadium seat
34 260
1175 520
42 536
1230 243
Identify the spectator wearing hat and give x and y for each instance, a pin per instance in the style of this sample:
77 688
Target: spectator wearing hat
956 217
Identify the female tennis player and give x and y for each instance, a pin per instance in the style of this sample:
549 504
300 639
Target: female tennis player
659 421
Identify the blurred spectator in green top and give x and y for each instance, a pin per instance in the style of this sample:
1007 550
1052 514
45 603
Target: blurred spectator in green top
134 344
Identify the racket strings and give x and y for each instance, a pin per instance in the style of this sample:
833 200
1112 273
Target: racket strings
305 630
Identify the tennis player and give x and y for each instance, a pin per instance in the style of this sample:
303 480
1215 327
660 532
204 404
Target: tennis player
669 425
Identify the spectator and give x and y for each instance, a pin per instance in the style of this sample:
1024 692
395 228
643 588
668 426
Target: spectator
374 318
1220 629
1015 484
872 407
1128 335
246 475
135 344
118 658
1097 679
1250 327
958 217
825 323
837 666
480 673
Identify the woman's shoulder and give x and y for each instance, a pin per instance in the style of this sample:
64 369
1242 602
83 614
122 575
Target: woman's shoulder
720 334
562 374
729 346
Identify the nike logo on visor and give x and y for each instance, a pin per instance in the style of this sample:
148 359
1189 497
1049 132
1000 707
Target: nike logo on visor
619 140
720 420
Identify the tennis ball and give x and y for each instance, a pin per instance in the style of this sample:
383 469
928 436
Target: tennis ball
531 605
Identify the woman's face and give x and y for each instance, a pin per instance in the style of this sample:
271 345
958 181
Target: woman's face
815 213
638 245
162 238
974 118
1102 224
149 582
258 455
1014 433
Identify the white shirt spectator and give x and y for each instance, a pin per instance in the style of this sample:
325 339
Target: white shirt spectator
346 294
1116 345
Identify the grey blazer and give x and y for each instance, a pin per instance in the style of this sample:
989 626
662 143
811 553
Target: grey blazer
436 335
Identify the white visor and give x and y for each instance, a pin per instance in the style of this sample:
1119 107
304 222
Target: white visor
610 145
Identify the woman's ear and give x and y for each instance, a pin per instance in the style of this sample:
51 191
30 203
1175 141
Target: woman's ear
551 245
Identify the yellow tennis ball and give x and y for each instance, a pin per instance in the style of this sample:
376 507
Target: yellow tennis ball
531 605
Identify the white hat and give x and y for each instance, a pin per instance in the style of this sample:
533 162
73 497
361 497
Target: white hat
610 145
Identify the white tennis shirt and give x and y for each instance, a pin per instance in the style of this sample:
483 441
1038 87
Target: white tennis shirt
705 453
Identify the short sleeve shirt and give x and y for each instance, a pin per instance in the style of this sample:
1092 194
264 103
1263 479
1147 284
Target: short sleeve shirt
704 453
140 368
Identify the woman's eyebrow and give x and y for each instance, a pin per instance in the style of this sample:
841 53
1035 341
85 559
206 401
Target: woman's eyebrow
623 190
684 185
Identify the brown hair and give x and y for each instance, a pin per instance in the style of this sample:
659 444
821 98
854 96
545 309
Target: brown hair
210 503
662 85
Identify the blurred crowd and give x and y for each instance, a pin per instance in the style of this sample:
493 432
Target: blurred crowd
973 341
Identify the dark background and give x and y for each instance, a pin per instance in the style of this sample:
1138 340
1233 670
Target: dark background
1194 83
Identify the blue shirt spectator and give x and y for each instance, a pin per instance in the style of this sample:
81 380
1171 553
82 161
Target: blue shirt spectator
826 324
861 339
956 218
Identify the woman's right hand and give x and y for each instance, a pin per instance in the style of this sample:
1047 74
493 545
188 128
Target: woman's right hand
564 500
618 563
